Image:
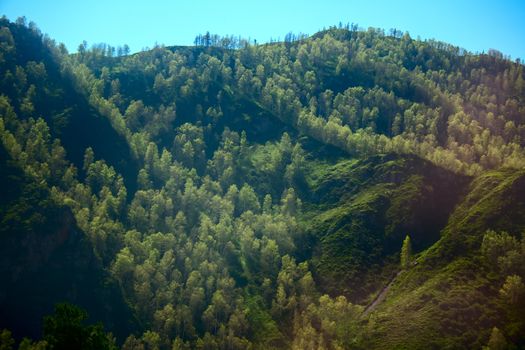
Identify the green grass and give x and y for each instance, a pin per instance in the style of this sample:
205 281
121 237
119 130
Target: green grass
360 212
450 299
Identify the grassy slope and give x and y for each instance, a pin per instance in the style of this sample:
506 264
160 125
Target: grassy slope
360 212
449 300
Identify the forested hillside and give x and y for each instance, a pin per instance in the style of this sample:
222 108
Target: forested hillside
349 190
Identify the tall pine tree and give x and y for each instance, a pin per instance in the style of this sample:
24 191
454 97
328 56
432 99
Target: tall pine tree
406 253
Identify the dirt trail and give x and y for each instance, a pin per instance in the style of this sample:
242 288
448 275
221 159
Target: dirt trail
381 296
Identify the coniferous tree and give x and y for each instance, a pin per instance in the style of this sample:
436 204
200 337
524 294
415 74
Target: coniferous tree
406 253
497 341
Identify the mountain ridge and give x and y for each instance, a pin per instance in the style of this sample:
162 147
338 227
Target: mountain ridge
259 197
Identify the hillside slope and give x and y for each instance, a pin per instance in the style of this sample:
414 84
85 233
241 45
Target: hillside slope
238 196
451 298
364 211
46 259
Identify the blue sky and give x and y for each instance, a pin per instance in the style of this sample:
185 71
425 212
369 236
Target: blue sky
474 25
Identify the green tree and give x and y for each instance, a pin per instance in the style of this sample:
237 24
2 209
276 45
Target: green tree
151 340
6 340
27 344
89 158
513 290
144 179
406 253
496 245
290 204
132 343
65 329
497 340
248 200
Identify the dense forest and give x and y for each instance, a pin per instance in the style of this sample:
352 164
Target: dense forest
353 189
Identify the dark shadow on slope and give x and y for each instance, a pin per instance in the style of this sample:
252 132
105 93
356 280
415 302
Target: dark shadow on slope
364 211
45 259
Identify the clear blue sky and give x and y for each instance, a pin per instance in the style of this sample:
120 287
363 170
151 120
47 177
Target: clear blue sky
474 25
